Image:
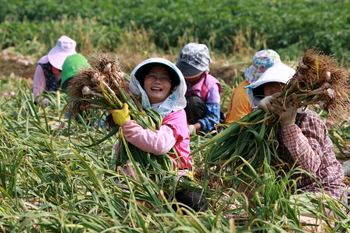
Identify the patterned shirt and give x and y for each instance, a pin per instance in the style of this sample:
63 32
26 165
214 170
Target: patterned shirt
307 142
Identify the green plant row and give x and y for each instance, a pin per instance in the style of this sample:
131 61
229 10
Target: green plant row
285 26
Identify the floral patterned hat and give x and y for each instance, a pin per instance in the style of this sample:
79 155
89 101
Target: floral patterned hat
262 60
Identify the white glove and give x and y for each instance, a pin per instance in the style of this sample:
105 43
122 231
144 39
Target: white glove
284 110
46 102
265 103
192 129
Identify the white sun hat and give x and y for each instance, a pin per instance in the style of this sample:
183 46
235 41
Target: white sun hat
278 73
65 46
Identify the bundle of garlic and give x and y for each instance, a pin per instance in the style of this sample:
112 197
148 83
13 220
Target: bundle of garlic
319 81
103 87
101 84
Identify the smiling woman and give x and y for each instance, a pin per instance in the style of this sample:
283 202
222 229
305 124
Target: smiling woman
155 80
157 84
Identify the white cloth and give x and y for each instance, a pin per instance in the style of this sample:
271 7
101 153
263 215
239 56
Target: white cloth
175 101
278 73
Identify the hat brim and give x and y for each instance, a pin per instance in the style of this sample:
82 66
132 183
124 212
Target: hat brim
141 73
187 70
57 57
279 73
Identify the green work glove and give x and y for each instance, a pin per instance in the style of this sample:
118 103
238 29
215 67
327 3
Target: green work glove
120 116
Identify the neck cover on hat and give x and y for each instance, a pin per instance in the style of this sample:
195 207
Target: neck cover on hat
174 102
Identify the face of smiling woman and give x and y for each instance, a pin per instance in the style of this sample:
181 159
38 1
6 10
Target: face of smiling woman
157 84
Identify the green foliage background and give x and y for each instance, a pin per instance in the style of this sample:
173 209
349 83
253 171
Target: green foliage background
286 26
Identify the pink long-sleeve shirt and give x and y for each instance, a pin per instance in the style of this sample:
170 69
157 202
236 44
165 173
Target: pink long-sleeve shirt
172 133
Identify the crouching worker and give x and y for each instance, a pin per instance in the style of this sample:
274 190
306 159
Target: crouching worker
303 138
203 89
71 67
242 99
162 88
47 76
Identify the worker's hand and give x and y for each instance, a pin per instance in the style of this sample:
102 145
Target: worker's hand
265 103
281 108
192 129
120 116
284 110
46 102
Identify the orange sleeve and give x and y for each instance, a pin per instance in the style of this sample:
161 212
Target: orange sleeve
239 104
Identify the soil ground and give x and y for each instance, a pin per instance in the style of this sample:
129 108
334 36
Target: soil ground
24 66
19 65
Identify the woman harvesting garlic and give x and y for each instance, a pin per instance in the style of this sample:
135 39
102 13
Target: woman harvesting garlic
303 137
162 88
